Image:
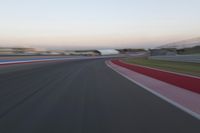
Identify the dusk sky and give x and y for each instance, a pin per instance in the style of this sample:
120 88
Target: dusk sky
77 24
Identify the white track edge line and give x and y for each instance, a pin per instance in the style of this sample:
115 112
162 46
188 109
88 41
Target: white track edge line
29 61
48 59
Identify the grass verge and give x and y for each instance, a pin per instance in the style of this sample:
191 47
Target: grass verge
180 67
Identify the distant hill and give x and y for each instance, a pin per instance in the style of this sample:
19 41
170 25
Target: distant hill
183 44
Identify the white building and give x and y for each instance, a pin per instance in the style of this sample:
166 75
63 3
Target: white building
108 52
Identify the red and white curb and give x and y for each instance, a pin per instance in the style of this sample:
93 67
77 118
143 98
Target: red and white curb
183 99
51 59
183 81
34 61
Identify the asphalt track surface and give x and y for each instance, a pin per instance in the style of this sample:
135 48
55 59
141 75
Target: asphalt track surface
83 96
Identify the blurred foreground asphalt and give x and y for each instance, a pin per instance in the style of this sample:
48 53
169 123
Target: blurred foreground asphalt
82 96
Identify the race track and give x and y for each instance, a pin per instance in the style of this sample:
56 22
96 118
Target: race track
82 96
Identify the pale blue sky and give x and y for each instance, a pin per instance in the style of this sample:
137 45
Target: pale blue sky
91 23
